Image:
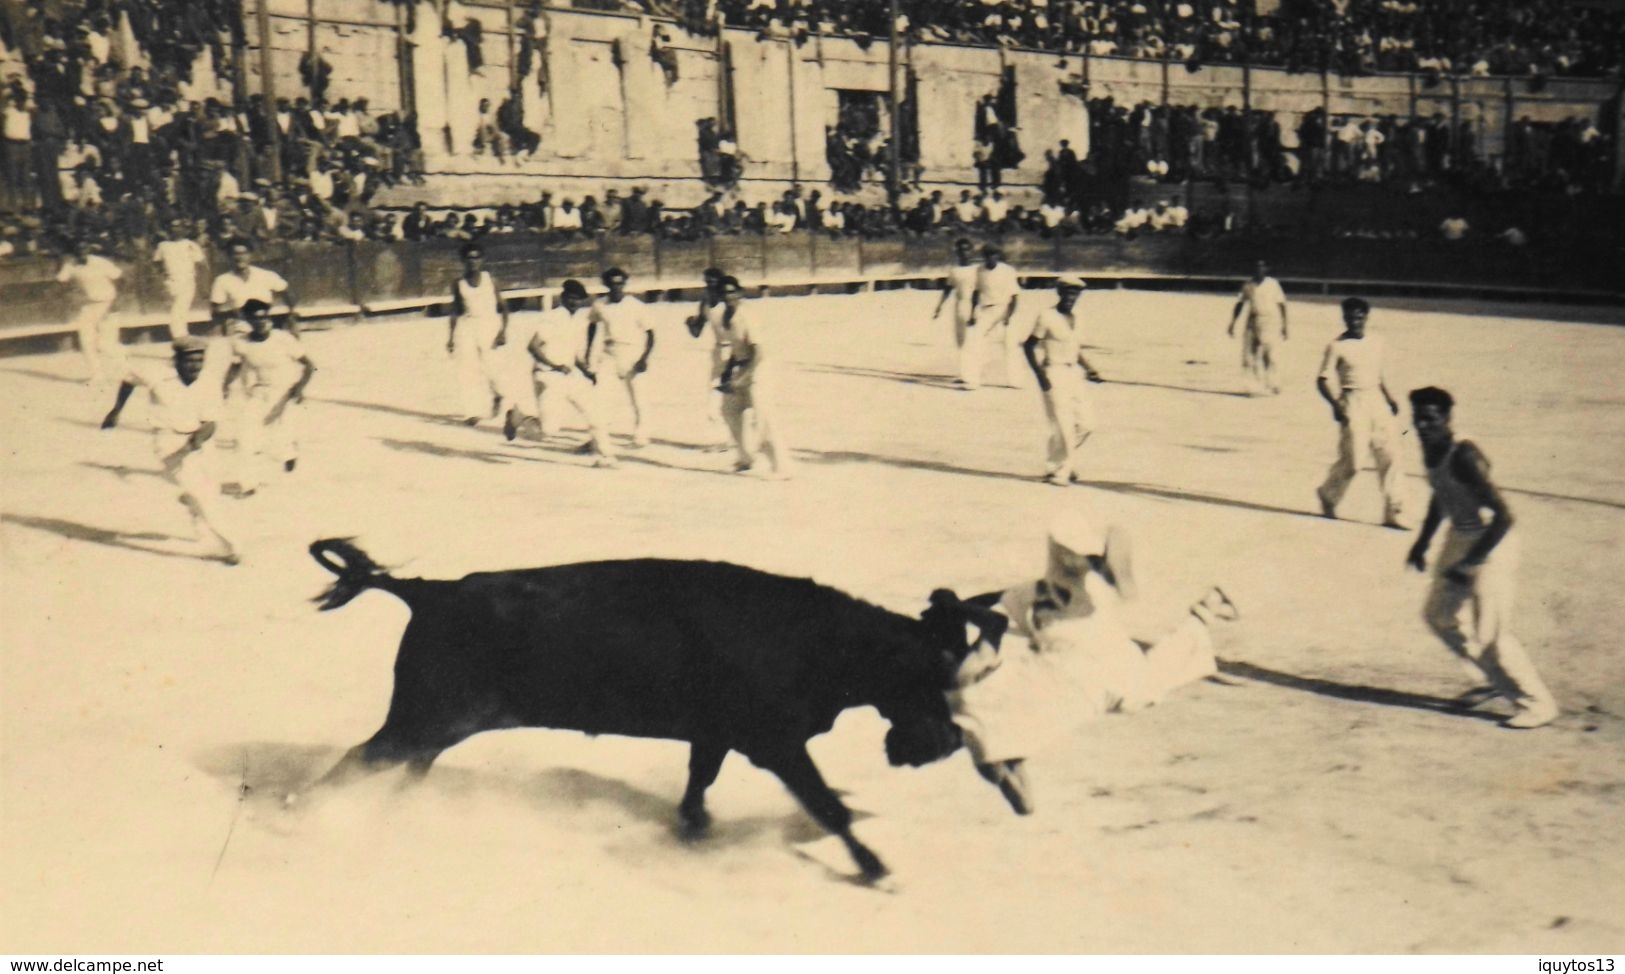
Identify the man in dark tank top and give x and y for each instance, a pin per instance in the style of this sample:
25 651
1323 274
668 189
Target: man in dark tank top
1470 603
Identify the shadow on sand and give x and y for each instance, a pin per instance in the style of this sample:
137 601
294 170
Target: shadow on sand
129 540
1230 393
861 372
266 773
378 407
1354 692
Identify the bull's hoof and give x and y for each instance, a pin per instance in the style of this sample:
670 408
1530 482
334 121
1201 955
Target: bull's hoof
692 826
869 865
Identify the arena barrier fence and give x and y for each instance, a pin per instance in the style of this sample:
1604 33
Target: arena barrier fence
367 279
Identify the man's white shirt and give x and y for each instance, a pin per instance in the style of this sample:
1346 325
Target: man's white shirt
180 259
1356 364
996 286
232 292
94 277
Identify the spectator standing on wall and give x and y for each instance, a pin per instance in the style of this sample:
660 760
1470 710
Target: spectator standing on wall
17 149
987 173
635 213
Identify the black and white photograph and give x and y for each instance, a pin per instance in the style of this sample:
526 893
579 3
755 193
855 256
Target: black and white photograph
812 477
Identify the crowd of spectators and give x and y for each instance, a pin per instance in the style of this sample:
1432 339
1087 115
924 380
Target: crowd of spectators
636 213
1175 143
108 135
796 210
1536 38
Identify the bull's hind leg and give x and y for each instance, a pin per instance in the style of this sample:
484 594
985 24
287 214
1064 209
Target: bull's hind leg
377 754
385 750
704 763
796 769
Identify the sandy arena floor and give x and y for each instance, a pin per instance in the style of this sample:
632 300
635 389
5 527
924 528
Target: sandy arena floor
156 706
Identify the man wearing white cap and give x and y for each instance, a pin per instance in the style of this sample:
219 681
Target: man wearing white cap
1054 351
182 412
1076 645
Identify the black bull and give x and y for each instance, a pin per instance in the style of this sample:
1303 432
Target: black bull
724 657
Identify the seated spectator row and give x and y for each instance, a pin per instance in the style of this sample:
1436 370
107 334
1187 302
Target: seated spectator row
1174 143
1468 37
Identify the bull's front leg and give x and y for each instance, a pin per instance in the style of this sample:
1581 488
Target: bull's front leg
796 769
704 763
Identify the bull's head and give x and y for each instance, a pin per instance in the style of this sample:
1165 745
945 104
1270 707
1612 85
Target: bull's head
922 728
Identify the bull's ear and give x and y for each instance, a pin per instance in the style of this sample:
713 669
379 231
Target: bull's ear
989 626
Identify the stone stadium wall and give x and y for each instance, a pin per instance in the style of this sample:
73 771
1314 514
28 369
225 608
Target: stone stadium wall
606 112
356 280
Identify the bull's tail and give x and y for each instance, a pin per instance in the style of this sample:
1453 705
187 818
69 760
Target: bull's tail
355 570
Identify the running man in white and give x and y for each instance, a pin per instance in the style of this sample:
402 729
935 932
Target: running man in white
1266 326
1067 653
1364 410
182 414
628 341
998 289
960 285
478 319
1054 351
179 256
1470 603
246 282
275 370
94 277
710 312
750 383
561 348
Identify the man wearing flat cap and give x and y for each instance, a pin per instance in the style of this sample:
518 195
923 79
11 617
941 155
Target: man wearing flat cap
1054 351
183 413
